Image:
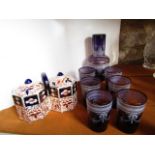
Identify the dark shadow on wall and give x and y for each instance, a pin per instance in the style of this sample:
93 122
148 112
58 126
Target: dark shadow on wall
88 50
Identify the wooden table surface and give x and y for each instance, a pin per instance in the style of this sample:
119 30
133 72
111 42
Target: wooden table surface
75 122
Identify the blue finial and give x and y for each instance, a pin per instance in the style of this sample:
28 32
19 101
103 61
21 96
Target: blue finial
44 78
27 91
28 81
60 74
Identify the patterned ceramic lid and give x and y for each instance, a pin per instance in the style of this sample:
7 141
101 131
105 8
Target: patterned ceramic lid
62 80
29 88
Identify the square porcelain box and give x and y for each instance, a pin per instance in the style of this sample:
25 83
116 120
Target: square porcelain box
63 93
31 101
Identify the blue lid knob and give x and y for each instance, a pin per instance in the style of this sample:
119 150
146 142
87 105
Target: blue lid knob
27 91
28 81
45 79
45 82
60 74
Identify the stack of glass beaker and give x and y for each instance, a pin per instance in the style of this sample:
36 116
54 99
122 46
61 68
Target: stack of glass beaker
98 59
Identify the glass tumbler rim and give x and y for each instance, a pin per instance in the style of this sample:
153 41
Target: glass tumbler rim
128 80
90 81
99 93
128 101
99 59
86 69
113 69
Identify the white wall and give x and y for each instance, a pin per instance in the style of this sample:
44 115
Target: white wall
29 47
